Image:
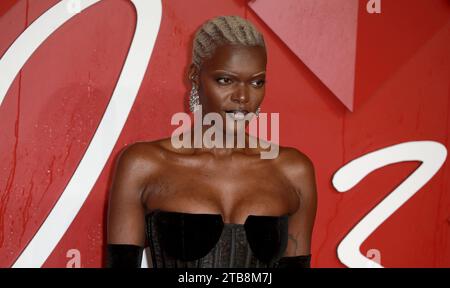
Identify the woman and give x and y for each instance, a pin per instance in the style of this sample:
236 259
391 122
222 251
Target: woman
214 207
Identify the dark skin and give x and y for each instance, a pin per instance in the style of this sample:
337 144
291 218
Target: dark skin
232 182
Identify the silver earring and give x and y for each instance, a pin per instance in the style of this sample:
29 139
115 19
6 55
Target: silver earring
194 99
257 111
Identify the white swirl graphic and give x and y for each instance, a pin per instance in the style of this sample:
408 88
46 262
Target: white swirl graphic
432 155
91 165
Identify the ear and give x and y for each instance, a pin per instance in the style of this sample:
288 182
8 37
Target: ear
193 75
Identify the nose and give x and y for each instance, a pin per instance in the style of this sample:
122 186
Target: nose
240 95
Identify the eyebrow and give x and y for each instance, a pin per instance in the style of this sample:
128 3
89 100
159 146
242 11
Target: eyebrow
235 74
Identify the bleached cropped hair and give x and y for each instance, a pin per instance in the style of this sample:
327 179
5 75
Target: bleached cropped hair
223 30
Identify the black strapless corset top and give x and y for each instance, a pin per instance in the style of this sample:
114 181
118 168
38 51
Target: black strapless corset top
187 240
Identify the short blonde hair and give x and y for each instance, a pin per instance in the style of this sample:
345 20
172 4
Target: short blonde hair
223 30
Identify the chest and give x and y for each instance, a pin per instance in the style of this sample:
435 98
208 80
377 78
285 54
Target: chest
234 189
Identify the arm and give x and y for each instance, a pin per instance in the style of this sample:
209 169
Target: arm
126 213
300 172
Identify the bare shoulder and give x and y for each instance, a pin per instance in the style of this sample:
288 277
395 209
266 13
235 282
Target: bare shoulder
137 165
135 162
142 159
299 170
148 156
139 153
297 167
294 162
149 150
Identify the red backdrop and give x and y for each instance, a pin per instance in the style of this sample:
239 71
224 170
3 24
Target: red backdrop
397 84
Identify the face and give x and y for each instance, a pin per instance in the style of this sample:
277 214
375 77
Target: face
233 79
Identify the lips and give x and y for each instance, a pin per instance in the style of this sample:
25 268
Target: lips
237 114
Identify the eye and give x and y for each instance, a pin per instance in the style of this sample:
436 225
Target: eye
258 83
224 81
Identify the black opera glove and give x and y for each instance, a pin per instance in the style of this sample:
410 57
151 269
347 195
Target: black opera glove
123 256
302 261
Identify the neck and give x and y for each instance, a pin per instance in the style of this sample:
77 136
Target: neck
220 142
